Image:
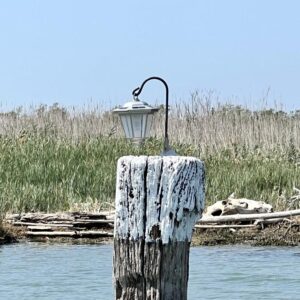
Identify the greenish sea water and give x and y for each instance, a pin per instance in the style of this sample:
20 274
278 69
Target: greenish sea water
61 271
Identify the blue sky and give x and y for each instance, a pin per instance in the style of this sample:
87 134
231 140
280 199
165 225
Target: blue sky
70 51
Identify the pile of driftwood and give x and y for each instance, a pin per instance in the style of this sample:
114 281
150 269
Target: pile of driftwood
253 220
244 213
73 224
231 213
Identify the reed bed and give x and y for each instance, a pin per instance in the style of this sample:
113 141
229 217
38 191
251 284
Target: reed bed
54 159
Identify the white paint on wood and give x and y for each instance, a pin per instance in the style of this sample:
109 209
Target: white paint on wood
158 197
130 194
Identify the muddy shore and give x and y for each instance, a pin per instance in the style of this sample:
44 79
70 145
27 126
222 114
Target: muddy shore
7 235
273 235
281 234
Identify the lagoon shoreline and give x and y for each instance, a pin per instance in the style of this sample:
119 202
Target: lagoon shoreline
280 234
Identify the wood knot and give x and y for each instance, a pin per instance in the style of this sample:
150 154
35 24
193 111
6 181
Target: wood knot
155 232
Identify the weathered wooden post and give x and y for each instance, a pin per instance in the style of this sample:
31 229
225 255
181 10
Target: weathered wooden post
158 201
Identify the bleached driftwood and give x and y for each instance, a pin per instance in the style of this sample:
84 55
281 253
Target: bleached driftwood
224 226
250 217
92 222
59 217
72 224
12 217
41 217
27 224
74 234
271 221
233 206
158 202
39 228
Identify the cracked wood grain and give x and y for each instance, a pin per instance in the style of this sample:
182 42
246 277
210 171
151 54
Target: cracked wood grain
158 201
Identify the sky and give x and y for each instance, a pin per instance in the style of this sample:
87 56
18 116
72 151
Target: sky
73 52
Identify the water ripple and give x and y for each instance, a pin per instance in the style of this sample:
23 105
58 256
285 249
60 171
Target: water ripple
47 271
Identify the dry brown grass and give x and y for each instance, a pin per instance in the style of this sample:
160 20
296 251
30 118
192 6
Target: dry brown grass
200 122
56 159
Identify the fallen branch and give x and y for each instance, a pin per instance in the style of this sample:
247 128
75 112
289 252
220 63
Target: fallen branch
224 226
19 223
92 222
270 221
59 217
41 217
39 228
98 215
250 217
74 234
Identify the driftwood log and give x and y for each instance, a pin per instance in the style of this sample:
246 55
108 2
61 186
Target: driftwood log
83 221
225 226
232 206
250 217
104 221
158 202
76 225
74 234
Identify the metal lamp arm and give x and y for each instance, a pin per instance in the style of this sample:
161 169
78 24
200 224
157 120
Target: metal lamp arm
136 92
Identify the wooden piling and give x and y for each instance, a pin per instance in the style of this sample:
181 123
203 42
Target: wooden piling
158 201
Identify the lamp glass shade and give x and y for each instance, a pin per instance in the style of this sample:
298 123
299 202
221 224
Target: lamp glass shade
136 118
136 126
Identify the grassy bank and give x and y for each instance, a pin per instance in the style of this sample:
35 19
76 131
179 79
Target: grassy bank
52 159
43 174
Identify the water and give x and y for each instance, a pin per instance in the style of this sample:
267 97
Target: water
59 271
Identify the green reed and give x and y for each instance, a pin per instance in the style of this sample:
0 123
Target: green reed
52 159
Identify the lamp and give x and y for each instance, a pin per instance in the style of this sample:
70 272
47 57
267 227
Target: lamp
136 117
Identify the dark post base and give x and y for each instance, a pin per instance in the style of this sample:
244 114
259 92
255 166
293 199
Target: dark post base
151 270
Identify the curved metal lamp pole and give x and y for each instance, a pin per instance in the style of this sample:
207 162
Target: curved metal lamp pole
136 92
